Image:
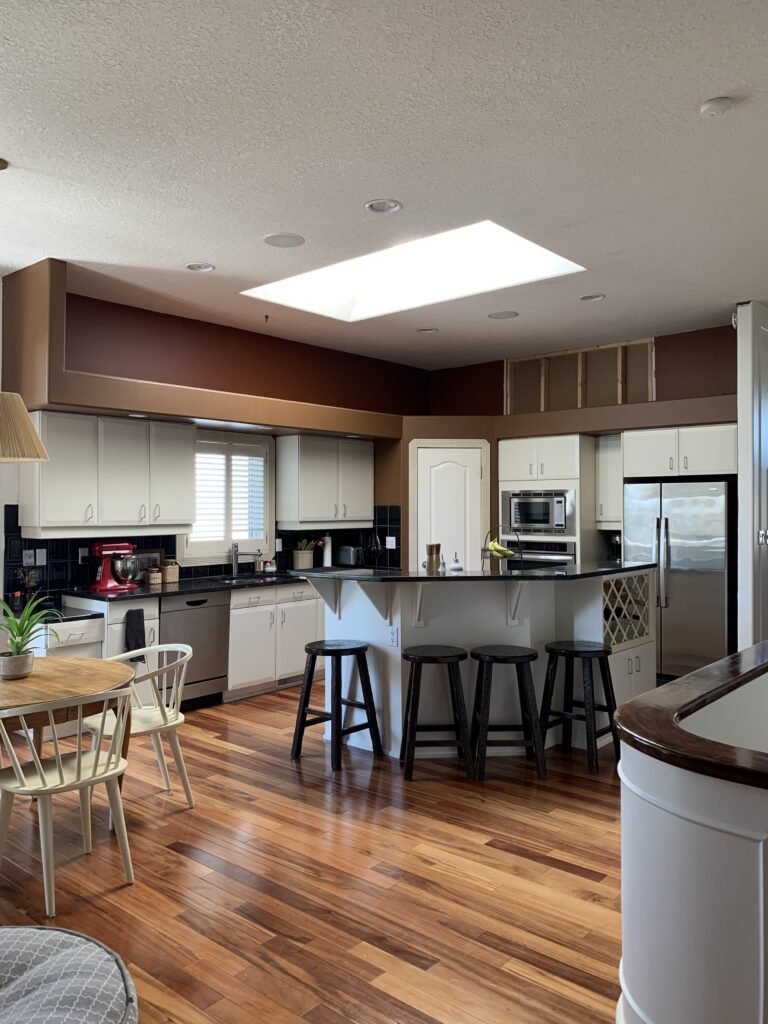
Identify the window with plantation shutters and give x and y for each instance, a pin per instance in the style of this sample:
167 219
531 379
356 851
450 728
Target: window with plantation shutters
232 499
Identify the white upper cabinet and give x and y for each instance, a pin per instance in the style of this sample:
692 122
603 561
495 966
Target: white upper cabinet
651 453
123 472
64 490
609 507
324 481
708 450
539 458
171 473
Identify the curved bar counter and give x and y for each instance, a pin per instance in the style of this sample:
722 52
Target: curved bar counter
694 821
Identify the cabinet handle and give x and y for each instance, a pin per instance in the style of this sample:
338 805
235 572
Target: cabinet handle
542 469
142 512
156 512
254 600
630 669
88 512
335 511
271 619
344 513
685 462
671 462
637 663
282 617
601 508
530 469
151 636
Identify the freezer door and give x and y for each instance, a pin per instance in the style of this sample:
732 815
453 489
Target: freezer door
694 612
642 508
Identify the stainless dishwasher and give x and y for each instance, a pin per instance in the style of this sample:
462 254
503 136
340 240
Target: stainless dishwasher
202 621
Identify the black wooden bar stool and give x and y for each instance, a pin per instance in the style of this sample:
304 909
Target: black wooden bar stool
570 650
335 650
435 654
530 726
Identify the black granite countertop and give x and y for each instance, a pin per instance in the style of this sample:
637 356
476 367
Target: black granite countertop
203 585
546 572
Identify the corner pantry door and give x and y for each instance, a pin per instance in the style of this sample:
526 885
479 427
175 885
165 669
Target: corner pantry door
452 503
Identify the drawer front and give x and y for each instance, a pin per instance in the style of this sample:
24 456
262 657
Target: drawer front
257 597
296 592
117 610
81 631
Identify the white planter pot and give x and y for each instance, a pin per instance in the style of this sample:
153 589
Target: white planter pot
16 666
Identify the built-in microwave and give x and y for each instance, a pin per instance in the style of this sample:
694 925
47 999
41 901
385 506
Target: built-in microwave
539 511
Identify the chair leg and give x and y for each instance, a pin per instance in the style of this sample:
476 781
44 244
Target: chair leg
589 715
567 740
454 675
370 707
45 822
455 711
525 715
412 720
610 701
549 690
116 806
85 817
336 713
474 720
6 806
484 713
181 768
407 714
157 743
528 696
301 711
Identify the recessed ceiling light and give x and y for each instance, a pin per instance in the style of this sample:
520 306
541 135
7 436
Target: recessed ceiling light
427 330
593 297
384 206
200 266
717 106
503 314
284 240
482 257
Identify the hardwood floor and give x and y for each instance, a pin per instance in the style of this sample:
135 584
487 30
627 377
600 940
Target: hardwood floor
300 897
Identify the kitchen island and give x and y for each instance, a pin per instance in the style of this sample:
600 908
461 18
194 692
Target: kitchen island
392 609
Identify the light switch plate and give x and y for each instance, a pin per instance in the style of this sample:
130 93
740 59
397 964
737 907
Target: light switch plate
278 546
41 556
28 558
82 554
391 543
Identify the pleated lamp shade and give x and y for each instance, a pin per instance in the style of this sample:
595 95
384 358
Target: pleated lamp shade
19 441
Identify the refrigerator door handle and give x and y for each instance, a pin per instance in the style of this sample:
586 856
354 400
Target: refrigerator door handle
656 557
664 562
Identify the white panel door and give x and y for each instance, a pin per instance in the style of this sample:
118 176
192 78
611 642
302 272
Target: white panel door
708 450
297 626
355 479
558 457
69 480
450 504
610 479
650 453
171 473
252 633
518 459
318 479
123 472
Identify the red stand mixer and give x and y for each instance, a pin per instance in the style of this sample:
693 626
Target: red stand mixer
118 567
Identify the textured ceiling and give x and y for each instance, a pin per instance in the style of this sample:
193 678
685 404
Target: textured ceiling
142 135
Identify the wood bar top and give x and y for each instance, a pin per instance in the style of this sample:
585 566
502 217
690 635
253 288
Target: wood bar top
651 723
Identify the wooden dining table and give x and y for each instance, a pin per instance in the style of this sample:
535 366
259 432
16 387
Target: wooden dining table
60 679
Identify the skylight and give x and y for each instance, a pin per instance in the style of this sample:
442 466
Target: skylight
482 257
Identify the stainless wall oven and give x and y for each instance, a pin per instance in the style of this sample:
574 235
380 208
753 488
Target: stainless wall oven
539 511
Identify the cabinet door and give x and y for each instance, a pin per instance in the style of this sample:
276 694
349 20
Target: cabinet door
622 674
708 450
116 645
318 479
123 472
356 480
297 627
558 457
69 480
643 668
610 479
171 473
517 459
251 646
650 453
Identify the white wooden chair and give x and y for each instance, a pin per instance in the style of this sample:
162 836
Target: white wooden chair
156 703
79 769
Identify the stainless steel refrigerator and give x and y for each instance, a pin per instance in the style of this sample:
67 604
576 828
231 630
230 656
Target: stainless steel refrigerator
685 526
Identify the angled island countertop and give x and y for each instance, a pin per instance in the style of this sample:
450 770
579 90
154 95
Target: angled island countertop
543 572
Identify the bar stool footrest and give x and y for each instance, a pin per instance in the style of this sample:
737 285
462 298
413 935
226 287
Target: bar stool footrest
433 743
354 728
352 703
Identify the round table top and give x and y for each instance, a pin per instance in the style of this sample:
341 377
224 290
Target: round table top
61 678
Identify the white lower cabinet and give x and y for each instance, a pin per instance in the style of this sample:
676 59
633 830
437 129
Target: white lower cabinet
297 627
251 646
633 671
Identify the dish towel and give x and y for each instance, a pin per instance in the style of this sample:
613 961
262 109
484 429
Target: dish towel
135 637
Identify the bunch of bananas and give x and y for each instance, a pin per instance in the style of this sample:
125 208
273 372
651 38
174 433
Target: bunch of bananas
497 551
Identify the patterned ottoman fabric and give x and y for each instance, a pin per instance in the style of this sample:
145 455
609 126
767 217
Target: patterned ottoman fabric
53 976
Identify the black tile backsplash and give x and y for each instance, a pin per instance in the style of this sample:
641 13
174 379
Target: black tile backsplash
386 523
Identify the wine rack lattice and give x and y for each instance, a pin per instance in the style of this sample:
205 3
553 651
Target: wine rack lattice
626 609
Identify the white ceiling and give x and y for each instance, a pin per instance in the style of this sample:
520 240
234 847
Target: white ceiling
142 135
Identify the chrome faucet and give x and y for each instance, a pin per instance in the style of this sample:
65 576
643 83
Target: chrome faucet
235 558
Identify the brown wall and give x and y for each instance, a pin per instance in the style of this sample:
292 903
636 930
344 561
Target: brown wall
117 340
696 364
468 390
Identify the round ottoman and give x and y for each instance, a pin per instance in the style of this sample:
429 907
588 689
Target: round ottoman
53 976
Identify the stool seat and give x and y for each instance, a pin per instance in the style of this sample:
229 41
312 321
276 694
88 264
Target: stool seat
434 654
503 654
340 647
578 649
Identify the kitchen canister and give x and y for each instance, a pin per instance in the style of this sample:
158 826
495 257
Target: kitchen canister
170 571
303 559
433 558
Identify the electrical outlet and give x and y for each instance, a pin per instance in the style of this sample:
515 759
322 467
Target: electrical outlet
394 636
82 555
391 543
278 546
41 556
28 558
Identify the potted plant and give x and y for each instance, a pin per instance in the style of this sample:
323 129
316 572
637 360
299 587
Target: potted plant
22 631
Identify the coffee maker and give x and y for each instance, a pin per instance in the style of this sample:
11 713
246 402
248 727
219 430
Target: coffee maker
118 567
